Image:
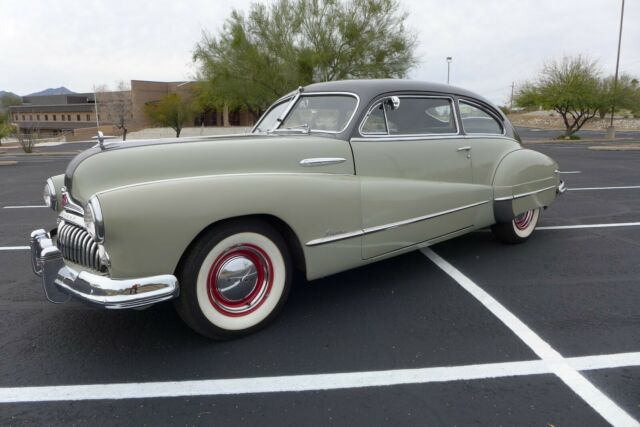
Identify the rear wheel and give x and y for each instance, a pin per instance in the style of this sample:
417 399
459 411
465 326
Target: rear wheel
234 280
519 229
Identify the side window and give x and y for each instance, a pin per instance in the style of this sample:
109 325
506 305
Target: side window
419 116
477 120
375 123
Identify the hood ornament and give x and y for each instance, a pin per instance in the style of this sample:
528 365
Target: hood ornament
101 139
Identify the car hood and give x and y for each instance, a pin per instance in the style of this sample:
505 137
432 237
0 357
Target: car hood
128 163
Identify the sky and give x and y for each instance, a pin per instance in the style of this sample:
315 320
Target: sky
493 43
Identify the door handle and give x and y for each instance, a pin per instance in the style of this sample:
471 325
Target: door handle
467 148
322 161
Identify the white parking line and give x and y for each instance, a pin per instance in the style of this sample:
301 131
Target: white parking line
563 172
608 409
14 248
568 227
315 382
624 187
25 207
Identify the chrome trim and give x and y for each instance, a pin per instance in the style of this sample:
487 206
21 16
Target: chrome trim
333 132
374 136
430 137
518 196
483 108
98 220
562 188
53 197
322 161
467 148
187 178
71 205
62 282
378 228
286 98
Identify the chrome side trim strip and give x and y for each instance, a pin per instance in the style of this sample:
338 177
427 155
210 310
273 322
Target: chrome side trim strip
518 196
322 161
378 228
187 178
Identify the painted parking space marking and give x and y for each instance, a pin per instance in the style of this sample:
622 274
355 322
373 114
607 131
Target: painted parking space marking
622 187
314 382
577 226
24 207
558 365
14 248
569 172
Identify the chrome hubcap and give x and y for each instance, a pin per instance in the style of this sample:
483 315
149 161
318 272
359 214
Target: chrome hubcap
237 278
523 221
240 280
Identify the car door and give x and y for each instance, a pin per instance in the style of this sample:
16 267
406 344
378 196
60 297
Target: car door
486 135
415 172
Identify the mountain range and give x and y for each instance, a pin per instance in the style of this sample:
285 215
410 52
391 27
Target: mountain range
49 91
52 91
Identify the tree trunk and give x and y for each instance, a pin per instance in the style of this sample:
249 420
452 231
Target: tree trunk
178 132
124 134
225 116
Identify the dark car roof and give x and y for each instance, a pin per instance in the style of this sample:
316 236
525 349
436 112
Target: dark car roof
367 89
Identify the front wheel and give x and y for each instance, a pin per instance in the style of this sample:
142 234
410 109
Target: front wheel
234 280
519 229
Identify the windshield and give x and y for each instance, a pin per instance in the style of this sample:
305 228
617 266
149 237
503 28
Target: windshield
270 120
324 113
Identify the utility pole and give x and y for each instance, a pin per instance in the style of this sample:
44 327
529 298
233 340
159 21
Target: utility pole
611 132
449 59
513 84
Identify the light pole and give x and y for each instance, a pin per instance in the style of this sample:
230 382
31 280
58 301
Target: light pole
611 132
449 59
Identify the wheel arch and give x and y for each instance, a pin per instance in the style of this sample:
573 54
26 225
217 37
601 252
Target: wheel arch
290 237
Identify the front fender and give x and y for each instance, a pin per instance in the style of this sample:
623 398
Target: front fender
524 179
149 226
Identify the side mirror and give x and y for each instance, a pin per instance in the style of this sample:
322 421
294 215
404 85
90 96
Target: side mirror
393 102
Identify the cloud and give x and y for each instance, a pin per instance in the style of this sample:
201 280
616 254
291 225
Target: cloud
493 42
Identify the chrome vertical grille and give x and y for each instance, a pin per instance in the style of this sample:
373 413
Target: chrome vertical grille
77 245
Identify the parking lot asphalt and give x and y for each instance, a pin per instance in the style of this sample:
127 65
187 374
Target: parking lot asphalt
568 355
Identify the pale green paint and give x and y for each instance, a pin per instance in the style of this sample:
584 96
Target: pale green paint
157 199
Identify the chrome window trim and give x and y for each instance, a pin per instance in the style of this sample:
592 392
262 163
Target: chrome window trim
303 94
489 112
421 138
518 196
274 105
418 135
378 228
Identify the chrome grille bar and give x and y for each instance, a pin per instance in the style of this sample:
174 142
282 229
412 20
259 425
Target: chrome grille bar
77 245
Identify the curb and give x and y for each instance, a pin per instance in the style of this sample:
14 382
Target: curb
53 153
8 163
578 141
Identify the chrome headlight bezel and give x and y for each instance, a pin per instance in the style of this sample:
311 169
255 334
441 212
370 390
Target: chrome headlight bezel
49 195
93 219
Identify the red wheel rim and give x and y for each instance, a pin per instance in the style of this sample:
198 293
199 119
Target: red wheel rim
523 221
258 262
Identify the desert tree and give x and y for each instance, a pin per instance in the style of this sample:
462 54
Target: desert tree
570 86
117 106
172 111
260 56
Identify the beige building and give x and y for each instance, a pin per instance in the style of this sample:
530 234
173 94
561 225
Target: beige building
75 114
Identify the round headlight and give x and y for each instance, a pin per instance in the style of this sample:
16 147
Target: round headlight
49 195
93 219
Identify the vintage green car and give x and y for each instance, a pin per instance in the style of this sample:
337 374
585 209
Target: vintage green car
334 176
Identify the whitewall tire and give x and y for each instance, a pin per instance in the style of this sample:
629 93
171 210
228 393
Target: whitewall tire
234 280
519 229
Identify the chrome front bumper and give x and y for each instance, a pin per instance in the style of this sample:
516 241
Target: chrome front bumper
60 282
